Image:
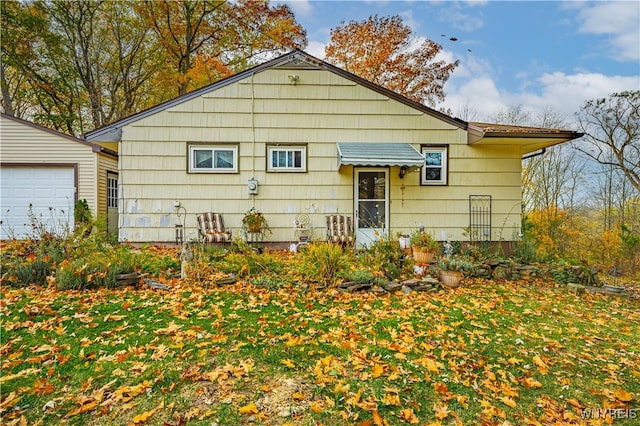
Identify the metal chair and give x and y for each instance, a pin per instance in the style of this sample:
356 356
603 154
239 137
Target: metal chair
340 229
211 228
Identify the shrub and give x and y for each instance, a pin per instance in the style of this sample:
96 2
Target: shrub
82 214
323 262
455 263
91 271
424 240
387 258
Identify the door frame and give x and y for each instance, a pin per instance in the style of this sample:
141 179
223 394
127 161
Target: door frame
112 211
364 236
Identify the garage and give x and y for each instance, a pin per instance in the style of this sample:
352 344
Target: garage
50 190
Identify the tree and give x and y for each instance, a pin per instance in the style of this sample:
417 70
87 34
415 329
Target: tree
552 179
612 133
84 64
75 66
208 40
381 50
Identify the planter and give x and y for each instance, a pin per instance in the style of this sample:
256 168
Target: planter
254 227
422 255
451 279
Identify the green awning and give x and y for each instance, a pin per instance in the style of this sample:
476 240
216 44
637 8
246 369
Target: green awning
379 154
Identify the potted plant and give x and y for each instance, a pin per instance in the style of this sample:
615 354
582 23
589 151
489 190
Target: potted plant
452 270
254 221
423 247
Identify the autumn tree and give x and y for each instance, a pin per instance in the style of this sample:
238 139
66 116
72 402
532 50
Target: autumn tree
75 66
208 40
382 51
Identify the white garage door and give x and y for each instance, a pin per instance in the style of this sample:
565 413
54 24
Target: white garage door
49 191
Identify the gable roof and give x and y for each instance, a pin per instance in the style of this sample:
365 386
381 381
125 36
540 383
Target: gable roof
528 138
295 59
94 147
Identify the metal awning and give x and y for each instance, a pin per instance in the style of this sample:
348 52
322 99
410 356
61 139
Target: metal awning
379 154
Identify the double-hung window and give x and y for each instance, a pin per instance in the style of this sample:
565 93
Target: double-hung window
436 162
213 158
287 158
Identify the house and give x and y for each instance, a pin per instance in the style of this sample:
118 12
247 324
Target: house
298 135
50 171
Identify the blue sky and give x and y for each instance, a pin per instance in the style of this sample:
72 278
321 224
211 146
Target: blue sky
534 54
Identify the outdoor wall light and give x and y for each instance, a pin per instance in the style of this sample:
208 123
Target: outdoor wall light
403 171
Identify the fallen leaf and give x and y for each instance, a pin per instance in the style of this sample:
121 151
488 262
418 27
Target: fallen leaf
442 411
508 401
530 382
542 366
377 418
143 417
377 371
89 406
248 409
288 362
409 416
623 395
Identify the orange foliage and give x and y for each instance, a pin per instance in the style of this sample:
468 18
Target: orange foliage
208 40
557 234
379 50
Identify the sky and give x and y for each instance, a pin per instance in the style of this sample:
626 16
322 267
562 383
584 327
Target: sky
531 54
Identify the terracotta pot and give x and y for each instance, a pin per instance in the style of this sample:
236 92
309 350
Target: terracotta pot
422 255
451 279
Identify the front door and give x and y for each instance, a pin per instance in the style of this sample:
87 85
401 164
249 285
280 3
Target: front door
371 205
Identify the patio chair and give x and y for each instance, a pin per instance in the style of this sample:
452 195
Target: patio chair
339 229
211 228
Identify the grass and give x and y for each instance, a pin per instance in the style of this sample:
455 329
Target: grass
526 352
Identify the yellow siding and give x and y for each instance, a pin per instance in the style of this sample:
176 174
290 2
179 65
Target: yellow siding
319 111
25 144
106 163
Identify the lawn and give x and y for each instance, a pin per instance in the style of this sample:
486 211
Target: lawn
503 353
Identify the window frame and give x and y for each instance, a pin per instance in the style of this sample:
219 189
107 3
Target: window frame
302 148
213 147
112 191
444 174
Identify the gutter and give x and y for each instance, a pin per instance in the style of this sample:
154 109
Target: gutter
535 154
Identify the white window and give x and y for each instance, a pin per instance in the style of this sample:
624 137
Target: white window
213 158
287 158
112 190
434 171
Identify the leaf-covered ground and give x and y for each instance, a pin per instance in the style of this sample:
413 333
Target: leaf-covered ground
506 353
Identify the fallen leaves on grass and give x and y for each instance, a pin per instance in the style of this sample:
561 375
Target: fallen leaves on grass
519 352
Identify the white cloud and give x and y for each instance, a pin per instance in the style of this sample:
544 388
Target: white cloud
302 8
564 93
619 20
316 49
460 20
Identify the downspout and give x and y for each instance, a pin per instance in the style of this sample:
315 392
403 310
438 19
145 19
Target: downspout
535 154
253 130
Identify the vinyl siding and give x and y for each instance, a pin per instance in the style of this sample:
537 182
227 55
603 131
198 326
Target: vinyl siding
106 163
24 144
319 111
